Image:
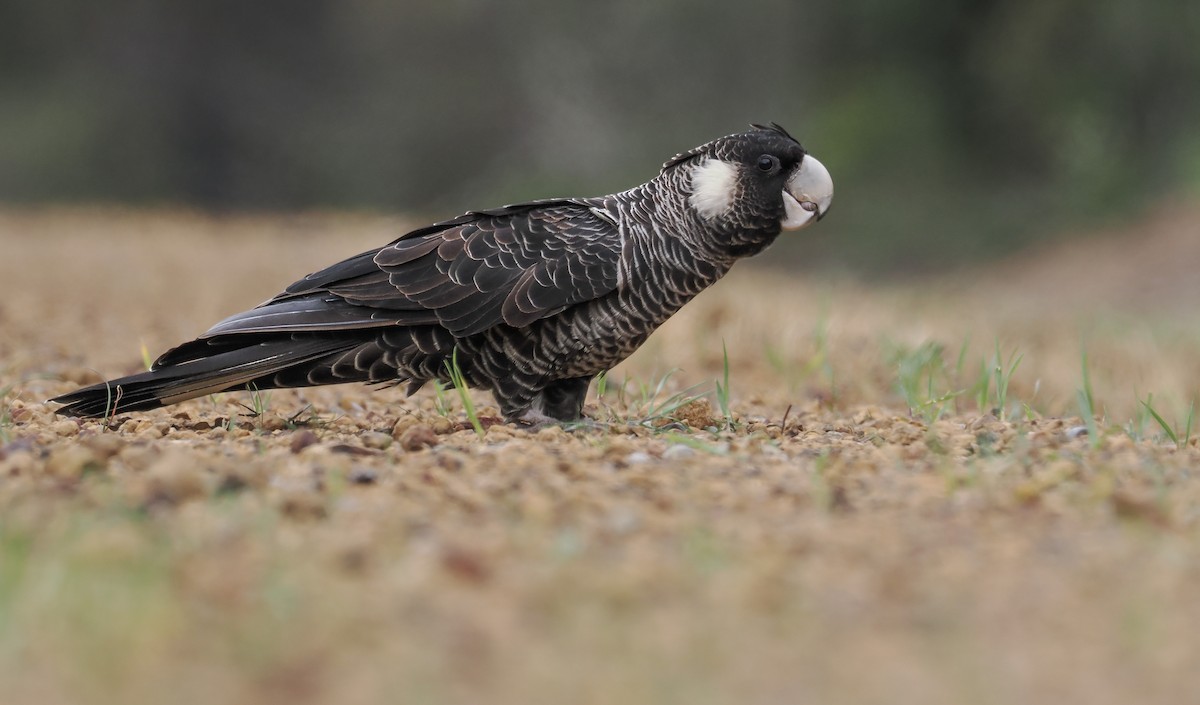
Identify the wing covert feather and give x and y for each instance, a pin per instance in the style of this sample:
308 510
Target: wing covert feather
511 265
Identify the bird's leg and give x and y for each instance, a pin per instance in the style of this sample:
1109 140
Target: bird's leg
559 403
563 399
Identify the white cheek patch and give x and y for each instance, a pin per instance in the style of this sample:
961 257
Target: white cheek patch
714 186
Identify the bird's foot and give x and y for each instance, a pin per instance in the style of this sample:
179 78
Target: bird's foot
532 420
584 423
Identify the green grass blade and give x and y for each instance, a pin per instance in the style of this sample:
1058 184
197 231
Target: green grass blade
460 384
723 390
1162 423
1087 404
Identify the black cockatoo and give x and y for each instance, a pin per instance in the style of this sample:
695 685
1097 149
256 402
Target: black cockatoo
531 300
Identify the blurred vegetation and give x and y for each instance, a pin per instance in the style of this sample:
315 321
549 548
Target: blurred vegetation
954 129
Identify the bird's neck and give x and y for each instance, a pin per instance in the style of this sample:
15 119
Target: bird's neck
718 240
663 243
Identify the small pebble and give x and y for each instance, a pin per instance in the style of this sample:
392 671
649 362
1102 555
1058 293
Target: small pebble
678 452
466 565
104 445
551 433
348 449
176 477
17 463
302 440
301 503
404 423
418 437
362 476
376 440
72 461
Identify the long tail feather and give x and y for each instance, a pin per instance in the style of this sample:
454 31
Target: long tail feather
231 365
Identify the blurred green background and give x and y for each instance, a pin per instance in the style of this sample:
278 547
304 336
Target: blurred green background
956 130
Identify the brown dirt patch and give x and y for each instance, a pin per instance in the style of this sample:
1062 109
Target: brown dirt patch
834 545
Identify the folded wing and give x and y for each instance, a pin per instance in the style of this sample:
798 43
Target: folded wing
510 266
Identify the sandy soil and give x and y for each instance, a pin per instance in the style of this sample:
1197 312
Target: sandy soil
870 524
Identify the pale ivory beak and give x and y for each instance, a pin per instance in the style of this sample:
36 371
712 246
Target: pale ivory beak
807 194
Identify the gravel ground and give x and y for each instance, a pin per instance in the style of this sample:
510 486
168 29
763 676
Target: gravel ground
849 533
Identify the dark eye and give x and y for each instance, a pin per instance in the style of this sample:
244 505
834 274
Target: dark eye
768 162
